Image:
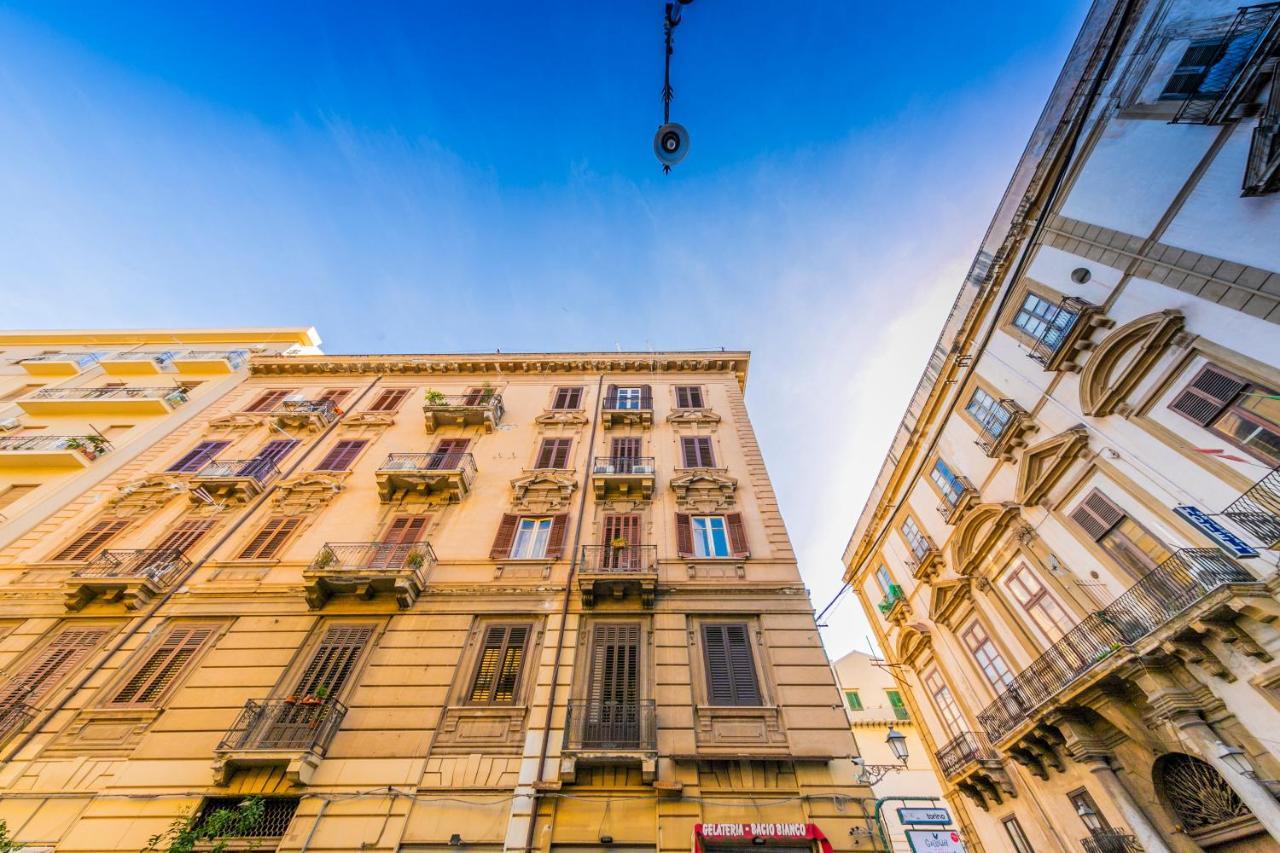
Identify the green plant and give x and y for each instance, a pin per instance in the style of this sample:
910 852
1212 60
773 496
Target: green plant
210 832
324 560
435 398
7 845
320 692
619 542
415 560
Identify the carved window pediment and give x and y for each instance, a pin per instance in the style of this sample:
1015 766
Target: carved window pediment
543 491
704 489
948 599
142 497
567 418
238 421
693 417
376 420
913 642
1044 464
978 534
308 492
1123 359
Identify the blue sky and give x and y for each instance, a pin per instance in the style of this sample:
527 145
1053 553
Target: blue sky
431 177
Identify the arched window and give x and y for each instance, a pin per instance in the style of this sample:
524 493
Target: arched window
1196 793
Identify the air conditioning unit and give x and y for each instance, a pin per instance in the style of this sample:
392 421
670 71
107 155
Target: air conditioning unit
10 424
258 348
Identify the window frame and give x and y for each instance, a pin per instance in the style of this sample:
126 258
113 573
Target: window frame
756 651
979 423
540 527
143 656
397 396
708 536
692 393
1017 836
919 538
624 395
574 393
969 637
948 711
1035 603
853 701
468 696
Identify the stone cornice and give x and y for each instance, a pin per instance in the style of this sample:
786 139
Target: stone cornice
500 364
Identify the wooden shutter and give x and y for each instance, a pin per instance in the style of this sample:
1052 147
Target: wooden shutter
625 448
501 660
389 400
269 400
505 537
684 535
731 671
185 534
1211 391
334 395
696 451
646 396
737 534
163 664
266 543
448 453
555 540
277 450
91 541
1097 514
43 672
397 540
611 397
615 664
334 660
198 456
625 526
554 453
342 454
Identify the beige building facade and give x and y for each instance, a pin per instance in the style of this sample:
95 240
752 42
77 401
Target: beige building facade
1071 551
421 602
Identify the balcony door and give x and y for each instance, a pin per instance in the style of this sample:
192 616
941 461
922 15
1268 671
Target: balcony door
448 453
320 682
270 454
612 715
624 452
398 540
624 529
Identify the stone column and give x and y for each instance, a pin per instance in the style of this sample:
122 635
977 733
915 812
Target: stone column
1144 830
1205 741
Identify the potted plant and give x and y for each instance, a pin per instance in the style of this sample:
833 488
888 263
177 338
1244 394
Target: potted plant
325 560
415 560
619 542
435 398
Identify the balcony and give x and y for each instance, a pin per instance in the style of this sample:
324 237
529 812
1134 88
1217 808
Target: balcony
610 733
1258 510
954 505
293 732
51 451
210 361
15 711
233 480
131 577
926 560
617 570
479 409
1067 335
365 569
1004 429
446 474
81 402
1111 841
137 363
963 753
622 409
894 607
304 414
59 363
1177 591
623 477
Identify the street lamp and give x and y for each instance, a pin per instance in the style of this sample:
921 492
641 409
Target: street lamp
1088 817
1234 757
897 743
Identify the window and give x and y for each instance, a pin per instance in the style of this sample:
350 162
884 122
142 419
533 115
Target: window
1128 542
389 400
624 452
198 456
946 481
50 665
984 652
90 542
613 685
502 656
1083 804
695 452
884 580
627 398
567 398
186 534
899 707
689 397
853 700
530 538
1245 414
624 528
554 453
1017 837
269 400
987 411
277 814
15 493
1208 66
334 395
342 455
731 669
916 541
163 664
266 543
711 536
945 703
333 661
1032 596
448 453
1043 320
710 539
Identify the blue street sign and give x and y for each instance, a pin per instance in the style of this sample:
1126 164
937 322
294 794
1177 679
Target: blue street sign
1225 539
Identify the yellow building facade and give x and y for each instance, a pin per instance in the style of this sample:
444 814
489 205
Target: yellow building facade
1071 551
506 602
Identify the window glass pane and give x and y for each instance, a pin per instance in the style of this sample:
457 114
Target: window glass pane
1043 320
1134 547
988 412
883 579
946 481
1256 436
710 538
531 538
989 659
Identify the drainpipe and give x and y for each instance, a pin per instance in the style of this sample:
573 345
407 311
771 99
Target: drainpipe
564 620
164 597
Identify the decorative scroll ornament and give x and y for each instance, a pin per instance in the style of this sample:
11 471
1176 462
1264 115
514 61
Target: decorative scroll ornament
143 497
543 491
309 492
704 489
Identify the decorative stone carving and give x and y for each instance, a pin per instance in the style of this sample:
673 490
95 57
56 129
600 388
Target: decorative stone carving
543 491
693 417
143 497
913 641
369 420
238 421
490 729
978 534
573 419
948 597
1044 464
1124 358
309 492
704 489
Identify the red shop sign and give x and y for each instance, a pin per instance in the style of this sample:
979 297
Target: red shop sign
739 832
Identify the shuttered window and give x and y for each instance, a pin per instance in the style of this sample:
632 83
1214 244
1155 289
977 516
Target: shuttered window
185 534
269 539
502 657
340 457
334 395
333 661
688 397
91 541
624 528
448 453
696 452
199 456
1192 69
51 665
567 398
624 448
269 400
731 670
1097 514
1211 391
615 664
530 537
277 449
389 400
711 535
1131 544
398 540
477 396
163 664
554 453
1244 414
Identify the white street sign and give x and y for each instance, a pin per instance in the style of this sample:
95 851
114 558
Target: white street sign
935 841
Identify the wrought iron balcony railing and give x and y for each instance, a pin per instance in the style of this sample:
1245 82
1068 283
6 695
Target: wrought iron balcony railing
235 357
623 402
1258 510
623 465
80 359
163 359
16 710
365 557
481 400
611 726
1184 579
90 446
173 396
292 724
442 461
619 558
1058 325
965 749
1111 841
154 564
260 469
1237 63
959 488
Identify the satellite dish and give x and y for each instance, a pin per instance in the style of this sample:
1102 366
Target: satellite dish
671 144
